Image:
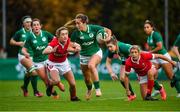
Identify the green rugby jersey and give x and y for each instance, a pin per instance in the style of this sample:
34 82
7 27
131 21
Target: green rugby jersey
38 43
87 39
123 50
177 42
21 36
153 39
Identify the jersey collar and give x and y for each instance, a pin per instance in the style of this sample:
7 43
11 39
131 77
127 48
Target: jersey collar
137 62
151 34
24 31
35 35
88 30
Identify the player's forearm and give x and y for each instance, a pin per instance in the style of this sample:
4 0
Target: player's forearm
13 42
47 50
25 52
156 50
164 58
71 49
175 50
109 68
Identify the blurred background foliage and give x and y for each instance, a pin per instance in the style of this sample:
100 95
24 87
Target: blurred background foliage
124 17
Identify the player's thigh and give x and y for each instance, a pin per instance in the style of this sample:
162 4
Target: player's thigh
86 72
42 72
96 58
168 70
26 62
54 75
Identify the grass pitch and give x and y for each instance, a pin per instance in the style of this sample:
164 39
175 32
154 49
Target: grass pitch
113 99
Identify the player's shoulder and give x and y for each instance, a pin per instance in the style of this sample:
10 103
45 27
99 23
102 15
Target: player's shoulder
145 53
123 44
44 31
128 61
55 39
94 26
19 31
156 34
75 32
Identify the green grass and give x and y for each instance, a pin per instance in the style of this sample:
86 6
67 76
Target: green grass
113 99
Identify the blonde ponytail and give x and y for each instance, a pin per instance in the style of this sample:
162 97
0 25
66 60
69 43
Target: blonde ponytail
70 24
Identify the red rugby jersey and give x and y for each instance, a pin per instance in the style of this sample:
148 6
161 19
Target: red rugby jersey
61 53
142 66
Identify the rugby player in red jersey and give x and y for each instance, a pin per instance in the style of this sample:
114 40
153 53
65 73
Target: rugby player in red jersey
57 63
140 62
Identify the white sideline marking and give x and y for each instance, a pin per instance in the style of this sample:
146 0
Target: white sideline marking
108 98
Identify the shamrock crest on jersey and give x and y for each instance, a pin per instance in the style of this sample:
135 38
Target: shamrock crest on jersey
91 35
44 39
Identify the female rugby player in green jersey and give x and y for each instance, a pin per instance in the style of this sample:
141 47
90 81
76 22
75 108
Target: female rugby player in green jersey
120 50
18 40
38 41
155 42
90 54
175 49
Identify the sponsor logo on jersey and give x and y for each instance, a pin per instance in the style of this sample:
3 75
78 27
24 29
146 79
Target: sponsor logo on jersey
44 39
60 55
40 47
88 43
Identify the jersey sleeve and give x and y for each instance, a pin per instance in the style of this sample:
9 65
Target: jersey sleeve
97 27
147 55
157 37
177 42
16 36
28 43
52 43
74 36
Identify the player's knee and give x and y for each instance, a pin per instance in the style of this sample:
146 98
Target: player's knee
91 66
32 71
87 80
121 78
72 85
55 81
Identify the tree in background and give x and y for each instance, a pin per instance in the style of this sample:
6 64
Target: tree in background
124 17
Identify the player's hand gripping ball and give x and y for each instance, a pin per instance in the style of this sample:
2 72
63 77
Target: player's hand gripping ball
101 36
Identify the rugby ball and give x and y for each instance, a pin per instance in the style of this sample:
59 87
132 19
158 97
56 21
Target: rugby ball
101 34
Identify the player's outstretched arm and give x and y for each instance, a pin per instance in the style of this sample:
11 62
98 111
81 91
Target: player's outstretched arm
175 50
109 68
49 49
165 58
74 47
